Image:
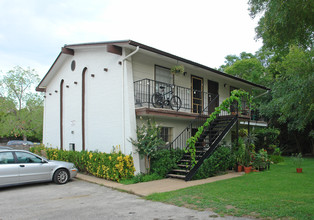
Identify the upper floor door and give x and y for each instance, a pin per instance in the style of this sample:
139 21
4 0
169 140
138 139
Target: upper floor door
213 88
197 94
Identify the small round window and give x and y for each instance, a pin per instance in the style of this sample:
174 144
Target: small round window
73 65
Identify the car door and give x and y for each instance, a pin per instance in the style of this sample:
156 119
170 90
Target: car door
9 170
31 168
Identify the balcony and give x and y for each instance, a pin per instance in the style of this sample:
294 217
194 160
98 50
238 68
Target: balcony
159 98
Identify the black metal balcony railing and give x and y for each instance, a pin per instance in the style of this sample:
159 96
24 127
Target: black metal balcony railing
145 88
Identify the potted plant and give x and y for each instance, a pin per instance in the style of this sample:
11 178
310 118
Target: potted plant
257 162
263 159
247 160
297 161
178 69
239 158
240 154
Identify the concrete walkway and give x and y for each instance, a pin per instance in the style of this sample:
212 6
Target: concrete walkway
156 186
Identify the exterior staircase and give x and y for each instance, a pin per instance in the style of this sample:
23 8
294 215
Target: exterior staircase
205 146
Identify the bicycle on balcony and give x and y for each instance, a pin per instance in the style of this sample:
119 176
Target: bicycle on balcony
160 100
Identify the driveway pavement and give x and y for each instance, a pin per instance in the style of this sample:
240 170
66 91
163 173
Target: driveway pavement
83 200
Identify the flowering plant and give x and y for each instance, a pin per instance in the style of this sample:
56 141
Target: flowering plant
148 141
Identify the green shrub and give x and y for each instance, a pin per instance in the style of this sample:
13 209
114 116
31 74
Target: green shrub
164 160
218 162
112 166
276 159
266 137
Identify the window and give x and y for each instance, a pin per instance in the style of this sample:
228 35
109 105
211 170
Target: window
164 79
162 74
6 157
166 134
23 157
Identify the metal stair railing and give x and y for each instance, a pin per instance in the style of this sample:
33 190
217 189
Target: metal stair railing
180 141
211 149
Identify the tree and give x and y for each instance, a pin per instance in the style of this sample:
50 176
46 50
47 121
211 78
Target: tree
292 100
248 66
231 59
248 69
289 105
284 23
148 141
23 113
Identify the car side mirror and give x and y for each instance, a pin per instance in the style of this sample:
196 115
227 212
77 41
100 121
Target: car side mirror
44 161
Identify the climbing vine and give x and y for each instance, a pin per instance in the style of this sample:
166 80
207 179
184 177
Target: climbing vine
235 96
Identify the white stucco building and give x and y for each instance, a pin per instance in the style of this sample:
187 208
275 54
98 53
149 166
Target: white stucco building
95 94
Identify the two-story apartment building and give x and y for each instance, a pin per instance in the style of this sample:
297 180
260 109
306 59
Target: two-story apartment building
96 93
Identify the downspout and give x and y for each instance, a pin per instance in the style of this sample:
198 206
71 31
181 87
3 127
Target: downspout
123 94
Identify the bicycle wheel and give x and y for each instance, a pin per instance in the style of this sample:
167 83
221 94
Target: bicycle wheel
175 103
157 100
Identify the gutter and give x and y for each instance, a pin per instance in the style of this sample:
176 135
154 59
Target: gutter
123 93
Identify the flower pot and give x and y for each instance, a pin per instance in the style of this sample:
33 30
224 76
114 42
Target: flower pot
299 170
240 168
247 169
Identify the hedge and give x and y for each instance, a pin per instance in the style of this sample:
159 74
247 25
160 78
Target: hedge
111 166
218 162
165 160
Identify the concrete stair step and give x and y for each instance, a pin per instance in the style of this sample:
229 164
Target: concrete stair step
176 176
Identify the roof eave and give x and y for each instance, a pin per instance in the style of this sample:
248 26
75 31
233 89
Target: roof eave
64 50
145 47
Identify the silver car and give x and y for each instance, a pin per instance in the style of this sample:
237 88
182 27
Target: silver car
22 167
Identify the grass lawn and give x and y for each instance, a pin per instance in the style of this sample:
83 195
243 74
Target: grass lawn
140 178
278 193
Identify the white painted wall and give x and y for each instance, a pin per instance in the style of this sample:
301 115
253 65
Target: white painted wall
51 133
103 103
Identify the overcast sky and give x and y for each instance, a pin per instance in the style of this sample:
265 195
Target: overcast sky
32 32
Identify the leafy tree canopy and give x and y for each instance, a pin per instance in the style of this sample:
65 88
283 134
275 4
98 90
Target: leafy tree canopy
284 23
292 93
21 110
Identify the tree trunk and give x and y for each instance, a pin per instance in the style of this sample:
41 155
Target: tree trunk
24 137
147 164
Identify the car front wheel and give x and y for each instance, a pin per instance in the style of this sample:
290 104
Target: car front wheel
61 176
